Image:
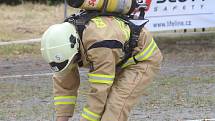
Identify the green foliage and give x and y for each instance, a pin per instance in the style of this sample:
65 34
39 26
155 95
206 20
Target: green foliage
16 2
11 2
54 2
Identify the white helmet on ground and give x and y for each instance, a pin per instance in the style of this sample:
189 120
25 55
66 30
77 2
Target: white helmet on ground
59 45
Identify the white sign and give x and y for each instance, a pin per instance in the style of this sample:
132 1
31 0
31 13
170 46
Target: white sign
180 14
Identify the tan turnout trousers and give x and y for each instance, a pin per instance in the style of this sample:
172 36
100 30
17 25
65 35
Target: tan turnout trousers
113 92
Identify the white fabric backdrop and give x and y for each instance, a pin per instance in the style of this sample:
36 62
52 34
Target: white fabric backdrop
180 14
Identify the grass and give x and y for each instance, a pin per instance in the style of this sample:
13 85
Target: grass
20 49
203 41
26 99
32 20
28 20
186 39
29 99
181 92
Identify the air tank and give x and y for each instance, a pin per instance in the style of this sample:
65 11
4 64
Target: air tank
112 6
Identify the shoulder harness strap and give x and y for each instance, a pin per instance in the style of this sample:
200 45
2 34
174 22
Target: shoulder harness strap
81 19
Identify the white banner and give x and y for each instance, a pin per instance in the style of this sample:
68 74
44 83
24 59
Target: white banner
180 14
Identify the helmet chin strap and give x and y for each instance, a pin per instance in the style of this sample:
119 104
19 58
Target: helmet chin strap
78 59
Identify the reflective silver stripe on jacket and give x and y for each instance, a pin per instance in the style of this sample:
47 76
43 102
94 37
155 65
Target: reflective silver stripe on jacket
143 55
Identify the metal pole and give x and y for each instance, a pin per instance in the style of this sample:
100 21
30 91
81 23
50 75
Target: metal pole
65 9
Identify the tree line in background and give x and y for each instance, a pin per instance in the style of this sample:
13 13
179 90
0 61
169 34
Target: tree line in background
17 2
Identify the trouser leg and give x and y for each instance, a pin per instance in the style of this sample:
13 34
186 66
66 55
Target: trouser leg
126 91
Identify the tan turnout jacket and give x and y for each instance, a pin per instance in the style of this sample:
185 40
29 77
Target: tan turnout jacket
112 93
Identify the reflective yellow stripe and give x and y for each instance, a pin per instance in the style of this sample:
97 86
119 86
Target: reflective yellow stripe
92 113
144 55
101 78
91 116
101 75
64 103
88 118
99 22
125 29
127 64
65 100
101 81
149 54
145 50
64 97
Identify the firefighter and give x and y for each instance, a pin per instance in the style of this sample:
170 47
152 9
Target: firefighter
116 83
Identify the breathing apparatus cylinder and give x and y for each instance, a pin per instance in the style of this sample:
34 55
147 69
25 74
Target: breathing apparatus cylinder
111 6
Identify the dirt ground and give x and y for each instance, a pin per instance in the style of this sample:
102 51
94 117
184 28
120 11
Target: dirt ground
183 90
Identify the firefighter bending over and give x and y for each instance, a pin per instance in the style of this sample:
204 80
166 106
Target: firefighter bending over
122 57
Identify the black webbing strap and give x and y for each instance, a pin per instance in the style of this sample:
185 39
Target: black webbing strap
132 43
112 44
104 7
81 19
85 16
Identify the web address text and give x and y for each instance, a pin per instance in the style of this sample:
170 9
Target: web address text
173 24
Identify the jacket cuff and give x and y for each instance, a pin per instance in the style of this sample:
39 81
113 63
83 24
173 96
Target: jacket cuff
64 110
